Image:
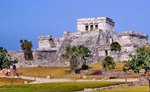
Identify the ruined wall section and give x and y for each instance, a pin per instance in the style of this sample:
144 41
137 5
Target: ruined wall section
41 58
130 40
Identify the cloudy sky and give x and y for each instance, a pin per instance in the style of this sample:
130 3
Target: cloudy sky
28 19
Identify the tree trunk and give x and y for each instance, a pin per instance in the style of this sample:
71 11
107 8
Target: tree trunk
73 72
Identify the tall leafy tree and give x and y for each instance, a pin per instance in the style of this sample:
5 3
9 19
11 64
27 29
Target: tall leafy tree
115 46
5 59
84 53
108 63
76 55
71 55
26 46
140 61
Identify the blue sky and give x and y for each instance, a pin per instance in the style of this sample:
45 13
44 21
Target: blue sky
27 19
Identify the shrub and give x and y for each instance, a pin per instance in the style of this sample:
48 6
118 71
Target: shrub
84 67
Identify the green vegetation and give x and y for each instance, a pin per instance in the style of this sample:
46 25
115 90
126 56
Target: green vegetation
108 63
129 89
139 61
64 72
56 87
5 59
76 55
115 46
26 46
84 53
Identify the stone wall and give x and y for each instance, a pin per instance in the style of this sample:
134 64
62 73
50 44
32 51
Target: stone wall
141 81
41 58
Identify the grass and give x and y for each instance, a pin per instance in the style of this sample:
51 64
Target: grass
11 81
58 72
45 71
129 89
98 66
55 72
56 87
64 72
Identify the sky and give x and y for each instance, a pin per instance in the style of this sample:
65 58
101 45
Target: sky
28 19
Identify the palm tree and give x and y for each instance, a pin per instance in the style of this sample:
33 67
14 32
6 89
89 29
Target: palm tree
84 53
76 55
115 46
26 46
71 55
108 63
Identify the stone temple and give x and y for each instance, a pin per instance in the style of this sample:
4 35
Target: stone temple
95 33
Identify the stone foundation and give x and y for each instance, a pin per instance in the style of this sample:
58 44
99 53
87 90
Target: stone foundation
41 58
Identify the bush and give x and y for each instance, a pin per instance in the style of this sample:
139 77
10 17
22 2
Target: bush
84 67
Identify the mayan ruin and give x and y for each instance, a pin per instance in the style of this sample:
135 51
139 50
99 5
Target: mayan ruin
97 34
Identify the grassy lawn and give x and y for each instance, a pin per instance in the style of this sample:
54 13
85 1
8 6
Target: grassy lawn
98 66
64 72
55 72
45 71
58 71
129 89
11 81
56 87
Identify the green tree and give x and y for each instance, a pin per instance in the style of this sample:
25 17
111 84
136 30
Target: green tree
71 55
76 55
125 67
140 61
115 46
108 63
5 59
26 46
84 54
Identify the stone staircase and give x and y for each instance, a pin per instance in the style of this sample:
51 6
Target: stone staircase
64 44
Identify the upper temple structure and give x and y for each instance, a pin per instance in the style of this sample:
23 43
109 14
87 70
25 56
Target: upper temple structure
97 34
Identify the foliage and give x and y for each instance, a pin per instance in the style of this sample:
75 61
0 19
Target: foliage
76 55
84 53
5 59
71 55
74 63
84 67
108 63
26 46
115 46
139 61
125 67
